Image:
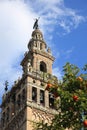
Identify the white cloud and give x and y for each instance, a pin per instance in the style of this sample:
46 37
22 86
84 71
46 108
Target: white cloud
15 29
57 73
67 53
55 13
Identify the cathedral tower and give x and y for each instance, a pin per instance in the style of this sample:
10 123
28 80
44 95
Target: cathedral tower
28 101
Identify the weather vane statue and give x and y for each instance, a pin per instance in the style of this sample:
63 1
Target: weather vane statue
36 23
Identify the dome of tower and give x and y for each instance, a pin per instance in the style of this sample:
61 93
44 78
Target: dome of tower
37 31
37 41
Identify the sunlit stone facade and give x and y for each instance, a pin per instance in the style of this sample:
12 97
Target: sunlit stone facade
28 102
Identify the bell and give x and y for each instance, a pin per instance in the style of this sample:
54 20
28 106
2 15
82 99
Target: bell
41 98
51 95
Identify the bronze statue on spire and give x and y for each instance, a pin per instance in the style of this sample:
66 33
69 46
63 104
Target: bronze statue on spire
36 24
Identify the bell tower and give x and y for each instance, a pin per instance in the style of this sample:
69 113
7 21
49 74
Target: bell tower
28 101
39 56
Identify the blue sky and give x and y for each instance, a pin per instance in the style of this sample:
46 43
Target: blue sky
63 23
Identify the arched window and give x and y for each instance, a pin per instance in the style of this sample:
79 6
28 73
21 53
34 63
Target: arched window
8 112
51 100
3 119
19 100
23 95
34 94
41 46
43 67
42 97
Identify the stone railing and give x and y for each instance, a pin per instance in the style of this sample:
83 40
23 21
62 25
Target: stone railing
43 76
42 108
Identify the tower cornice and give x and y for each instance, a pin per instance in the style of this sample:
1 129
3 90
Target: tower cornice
43 53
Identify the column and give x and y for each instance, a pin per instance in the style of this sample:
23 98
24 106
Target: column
38 96
46 99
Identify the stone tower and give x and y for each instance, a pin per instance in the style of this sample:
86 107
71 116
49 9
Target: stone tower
28 101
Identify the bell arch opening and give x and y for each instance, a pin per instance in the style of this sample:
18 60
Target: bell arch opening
43 66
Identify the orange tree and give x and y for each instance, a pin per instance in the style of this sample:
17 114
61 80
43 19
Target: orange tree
72 92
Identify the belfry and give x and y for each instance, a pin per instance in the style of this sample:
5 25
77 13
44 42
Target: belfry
28 101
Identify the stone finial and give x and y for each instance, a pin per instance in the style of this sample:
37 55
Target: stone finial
49 50
29 67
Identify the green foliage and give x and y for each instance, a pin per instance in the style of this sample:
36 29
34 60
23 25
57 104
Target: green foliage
85 67
73 100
